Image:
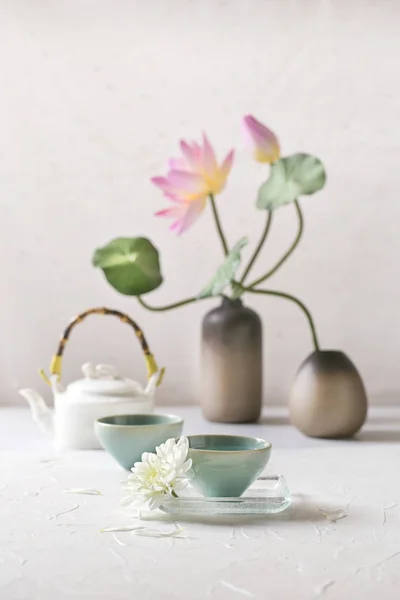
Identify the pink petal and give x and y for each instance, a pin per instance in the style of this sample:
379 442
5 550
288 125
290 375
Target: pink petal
162 183
174 226
263 141
193 212
185 183
209 160
257 130
159 181
186 149
174 212
166 187
185 214
197 148
227 164
180 185
177 164
192 154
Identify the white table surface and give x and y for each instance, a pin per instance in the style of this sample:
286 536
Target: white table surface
51 546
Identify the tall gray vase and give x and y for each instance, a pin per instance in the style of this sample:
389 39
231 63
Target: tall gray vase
231 364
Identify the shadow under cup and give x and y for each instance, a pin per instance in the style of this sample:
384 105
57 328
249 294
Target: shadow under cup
226 465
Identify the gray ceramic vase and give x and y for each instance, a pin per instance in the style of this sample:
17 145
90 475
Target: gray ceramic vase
328 399
231 365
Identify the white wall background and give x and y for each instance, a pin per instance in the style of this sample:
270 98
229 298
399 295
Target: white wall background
94 95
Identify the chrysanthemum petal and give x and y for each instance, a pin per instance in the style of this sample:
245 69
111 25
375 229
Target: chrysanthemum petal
159 473
186 466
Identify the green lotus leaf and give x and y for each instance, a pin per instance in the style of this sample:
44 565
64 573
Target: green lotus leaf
131 265
291 177
226 272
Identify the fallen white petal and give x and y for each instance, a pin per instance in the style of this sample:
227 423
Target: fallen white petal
88 491
116 528
236 589
335 515
64 512
146 532
118 541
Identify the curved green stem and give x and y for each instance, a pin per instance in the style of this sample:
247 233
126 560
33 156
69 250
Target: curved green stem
288 253
299 304
168 306
218 225
260 245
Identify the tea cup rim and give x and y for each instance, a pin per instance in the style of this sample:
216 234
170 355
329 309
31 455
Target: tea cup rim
173 420
266 444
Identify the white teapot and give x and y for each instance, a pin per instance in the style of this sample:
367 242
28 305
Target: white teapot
101 393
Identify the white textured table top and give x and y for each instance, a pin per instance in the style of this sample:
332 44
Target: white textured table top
51 546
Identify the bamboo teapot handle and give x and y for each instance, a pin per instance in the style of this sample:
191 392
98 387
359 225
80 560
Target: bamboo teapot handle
56 362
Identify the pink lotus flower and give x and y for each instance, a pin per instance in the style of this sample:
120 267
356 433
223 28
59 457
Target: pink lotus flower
190 180
263 141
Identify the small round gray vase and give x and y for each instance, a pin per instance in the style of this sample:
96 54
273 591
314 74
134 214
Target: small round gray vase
231 365
328 398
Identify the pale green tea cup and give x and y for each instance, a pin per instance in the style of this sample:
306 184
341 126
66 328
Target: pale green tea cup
126 437
226 465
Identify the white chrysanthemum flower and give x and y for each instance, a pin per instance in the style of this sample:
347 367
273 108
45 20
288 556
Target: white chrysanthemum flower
160 474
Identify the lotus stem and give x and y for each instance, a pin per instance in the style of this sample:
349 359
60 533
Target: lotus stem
218 225
299 303
259 247
288 253
168 306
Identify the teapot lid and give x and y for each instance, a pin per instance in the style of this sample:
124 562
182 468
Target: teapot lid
104 380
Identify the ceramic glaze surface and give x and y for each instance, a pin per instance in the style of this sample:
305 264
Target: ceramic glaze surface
126 437
328 398
76 408
231 361
74 422
226 465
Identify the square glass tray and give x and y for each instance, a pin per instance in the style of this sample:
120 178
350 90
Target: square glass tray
266 496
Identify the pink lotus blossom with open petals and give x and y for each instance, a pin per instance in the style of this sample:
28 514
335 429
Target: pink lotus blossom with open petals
263 141
190 180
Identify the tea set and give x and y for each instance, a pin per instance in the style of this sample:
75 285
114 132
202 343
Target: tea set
100 393
105 410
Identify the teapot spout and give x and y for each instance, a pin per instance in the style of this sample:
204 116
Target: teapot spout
41 413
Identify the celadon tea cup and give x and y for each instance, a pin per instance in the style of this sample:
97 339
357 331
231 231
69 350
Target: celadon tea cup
226 465
126 437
